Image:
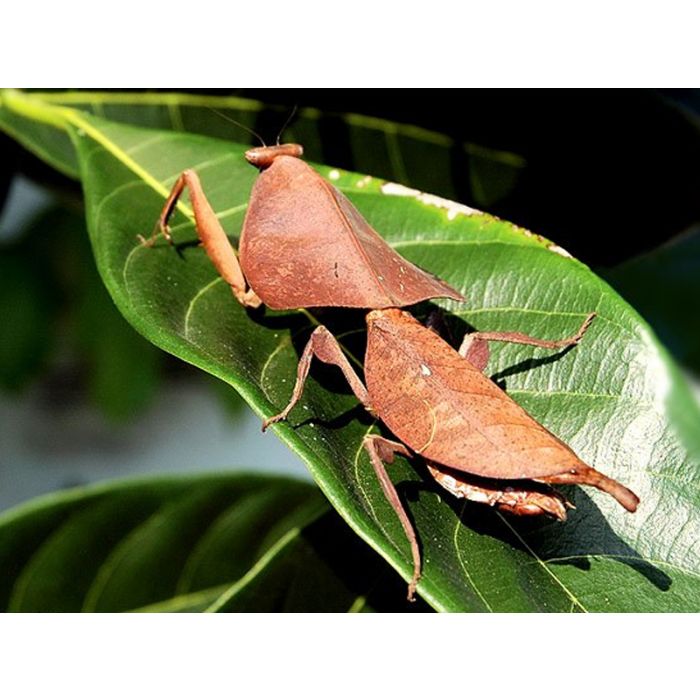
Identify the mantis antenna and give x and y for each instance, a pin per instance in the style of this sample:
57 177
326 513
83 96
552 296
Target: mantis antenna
242 126
286 124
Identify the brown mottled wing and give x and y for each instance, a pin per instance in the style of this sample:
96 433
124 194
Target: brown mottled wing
445 409
304 244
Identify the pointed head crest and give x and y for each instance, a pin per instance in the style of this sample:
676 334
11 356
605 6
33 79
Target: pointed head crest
263 156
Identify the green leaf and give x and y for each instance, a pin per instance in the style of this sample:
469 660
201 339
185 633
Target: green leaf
616 398
189 544
315 568
664 286
377 146
129 544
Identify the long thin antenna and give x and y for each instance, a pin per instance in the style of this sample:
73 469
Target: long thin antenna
242 126
286 124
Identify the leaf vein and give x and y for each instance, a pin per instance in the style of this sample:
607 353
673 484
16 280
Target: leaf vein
542 563
193 302
463 563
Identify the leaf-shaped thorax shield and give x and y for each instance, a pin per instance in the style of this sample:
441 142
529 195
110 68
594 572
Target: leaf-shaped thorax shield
304 244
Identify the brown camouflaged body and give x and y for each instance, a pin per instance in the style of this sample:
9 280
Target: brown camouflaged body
303 244
445 409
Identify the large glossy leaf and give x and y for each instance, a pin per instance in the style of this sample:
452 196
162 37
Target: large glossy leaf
218 543
383 148
616 398
170 541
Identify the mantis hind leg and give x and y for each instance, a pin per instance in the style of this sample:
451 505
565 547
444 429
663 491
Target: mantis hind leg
211 234
382 451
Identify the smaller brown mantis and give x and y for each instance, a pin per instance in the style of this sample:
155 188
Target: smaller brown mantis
441 406
304 244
